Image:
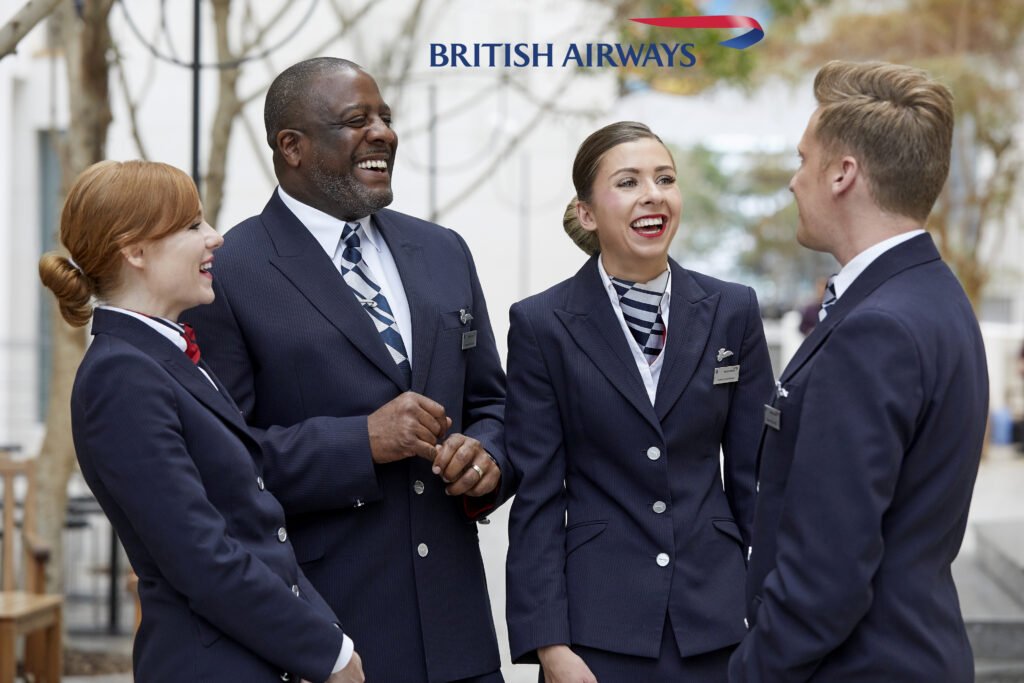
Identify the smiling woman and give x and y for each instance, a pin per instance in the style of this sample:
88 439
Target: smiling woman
165 450
626 552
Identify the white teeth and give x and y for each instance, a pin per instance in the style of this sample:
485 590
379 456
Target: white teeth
205 267
645 222
373 163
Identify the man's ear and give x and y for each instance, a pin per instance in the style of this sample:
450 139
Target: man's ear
135 255
290 146
844 174
585 216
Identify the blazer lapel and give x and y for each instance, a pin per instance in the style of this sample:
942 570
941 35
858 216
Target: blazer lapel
300 258
592 323
419 288
691 314
913 252
138 334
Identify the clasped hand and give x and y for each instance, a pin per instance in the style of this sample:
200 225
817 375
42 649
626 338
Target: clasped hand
413 425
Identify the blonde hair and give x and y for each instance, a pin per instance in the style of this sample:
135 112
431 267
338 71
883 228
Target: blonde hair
897 121
112 205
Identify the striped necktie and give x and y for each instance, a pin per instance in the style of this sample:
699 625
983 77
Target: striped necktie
828 299
641 309
357 277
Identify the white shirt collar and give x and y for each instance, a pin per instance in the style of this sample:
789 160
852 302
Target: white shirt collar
609 287
859 263
327 229
173 334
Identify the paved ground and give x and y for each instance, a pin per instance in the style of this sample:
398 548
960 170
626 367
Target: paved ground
999 494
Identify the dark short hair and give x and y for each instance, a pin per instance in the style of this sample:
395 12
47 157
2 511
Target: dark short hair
897 121
292 92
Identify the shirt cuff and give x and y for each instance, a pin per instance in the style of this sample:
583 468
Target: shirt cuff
345 656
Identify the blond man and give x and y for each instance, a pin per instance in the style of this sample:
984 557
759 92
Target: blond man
872 439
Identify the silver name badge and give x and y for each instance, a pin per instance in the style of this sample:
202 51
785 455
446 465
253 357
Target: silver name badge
773 417
727 374
468 339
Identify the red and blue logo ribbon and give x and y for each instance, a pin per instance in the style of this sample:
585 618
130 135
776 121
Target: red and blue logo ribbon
754 35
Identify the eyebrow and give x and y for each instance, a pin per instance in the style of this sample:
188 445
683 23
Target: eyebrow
637 170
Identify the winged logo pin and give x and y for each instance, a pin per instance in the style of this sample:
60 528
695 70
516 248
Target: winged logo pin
723 353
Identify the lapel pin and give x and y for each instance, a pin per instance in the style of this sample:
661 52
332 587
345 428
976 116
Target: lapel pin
464 316
780 391
723 353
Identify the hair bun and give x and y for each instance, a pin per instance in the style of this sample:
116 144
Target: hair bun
581 237
70 285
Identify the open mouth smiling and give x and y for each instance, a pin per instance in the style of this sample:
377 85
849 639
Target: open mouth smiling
649 226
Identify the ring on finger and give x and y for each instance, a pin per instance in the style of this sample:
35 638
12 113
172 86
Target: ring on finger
478 470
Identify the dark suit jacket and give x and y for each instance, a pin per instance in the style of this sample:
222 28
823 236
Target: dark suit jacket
307 366
175 469
865 487
578 412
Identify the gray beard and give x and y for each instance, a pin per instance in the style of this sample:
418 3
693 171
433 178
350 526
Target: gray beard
349 197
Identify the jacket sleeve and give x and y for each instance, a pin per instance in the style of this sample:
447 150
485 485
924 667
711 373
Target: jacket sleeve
132 437
320 463
858 417
537 607
745 421
483 405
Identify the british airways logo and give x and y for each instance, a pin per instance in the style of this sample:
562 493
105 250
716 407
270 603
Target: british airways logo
518 55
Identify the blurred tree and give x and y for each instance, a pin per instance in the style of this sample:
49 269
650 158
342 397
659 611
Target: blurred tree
84 36
977 48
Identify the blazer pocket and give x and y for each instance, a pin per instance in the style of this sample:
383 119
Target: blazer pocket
578 534
729 528
208 633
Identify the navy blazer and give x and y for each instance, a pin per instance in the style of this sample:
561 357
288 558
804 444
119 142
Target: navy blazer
394 556
583 557
175 469
865 486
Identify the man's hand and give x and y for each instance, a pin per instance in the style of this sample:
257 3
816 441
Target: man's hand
463 463
410 424
562 665
352 673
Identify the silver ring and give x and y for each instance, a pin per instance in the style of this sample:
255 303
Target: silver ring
479 471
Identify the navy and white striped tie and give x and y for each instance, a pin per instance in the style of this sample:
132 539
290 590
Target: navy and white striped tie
828 299
357 277
641 308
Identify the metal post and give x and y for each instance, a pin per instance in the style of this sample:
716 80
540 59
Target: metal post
195 92
524 225
432 152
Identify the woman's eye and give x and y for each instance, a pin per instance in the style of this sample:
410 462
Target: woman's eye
666 180
627 182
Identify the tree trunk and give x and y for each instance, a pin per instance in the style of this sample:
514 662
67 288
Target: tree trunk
85 42
229 106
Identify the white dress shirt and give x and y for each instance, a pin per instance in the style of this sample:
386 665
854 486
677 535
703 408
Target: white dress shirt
175 337
648 373
377 258
857 265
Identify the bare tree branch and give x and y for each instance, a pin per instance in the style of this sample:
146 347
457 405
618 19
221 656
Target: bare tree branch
24 20
501 155
132 105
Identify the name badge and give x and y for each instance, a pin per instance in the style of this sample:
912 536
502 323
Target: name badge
773 417
727 374
468 339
